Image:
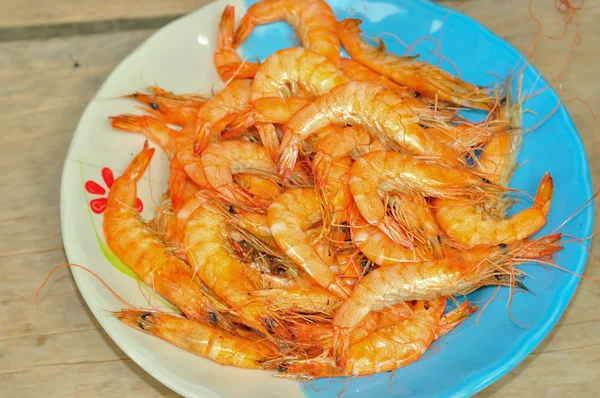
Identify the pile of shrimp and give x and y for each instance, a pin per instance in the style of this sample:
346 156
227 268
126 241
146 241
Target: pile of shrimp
323 211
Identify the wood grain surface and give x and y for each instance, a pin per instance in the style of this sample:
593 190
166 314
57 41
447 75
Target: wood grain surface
53 58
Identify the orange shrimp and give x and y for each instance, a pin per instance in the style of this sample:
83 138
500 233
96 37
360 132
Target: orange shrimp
336 192
343 142
368 105
170 108
153 129
458 275
428 112
471 225
296 72
290 216
357 71
313 21
310 299
177 144
321 334
227 61
209 250
388 348
143 251
202 340
428 80
266 110
380 249
221 160
378 175
231 99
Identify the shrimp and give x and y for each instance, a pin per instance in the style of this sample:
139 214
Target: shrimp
359 72
269 139
471 225
202 340
221 160
381 250
377 175
428 80
388 348
227 61
311 299
266 110
177 183
140 248
370 106
290 216
344 142
153 129
425 111
209 250
296 72
498 159
313 21
336 192
321 334
262 189
231 99
177 144
170 108
457 275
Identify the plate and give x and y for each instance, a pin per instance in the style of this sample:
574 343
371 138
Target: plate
179 58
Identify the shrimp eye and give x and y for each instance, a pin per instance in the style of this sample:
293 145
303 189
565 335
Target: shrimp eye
145 315
214 318
231 210
502 245
270 323
417 95
503 102
344 227
154 105
499 277
141 325
281 368
439 238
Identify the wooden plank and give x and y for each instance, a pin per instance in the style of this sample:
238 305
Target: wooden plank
115 378
39 12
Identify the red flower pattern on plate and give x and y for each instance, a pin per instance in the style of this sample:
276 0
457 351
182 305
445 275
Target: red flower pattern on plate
98 205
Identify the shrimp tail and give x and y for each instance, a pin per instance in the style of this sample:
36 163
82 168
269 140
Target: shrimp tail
245 28
452 319
127 122
341 346
545 246
139 164
288 154
242 121
226 28
543 197
322 166
177 179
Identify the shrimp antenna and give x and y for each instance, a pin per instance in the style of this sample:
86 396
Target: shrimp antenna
37 292
579 210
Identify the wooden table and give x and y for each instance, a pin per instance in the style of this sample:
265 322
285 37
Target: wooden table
53 58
